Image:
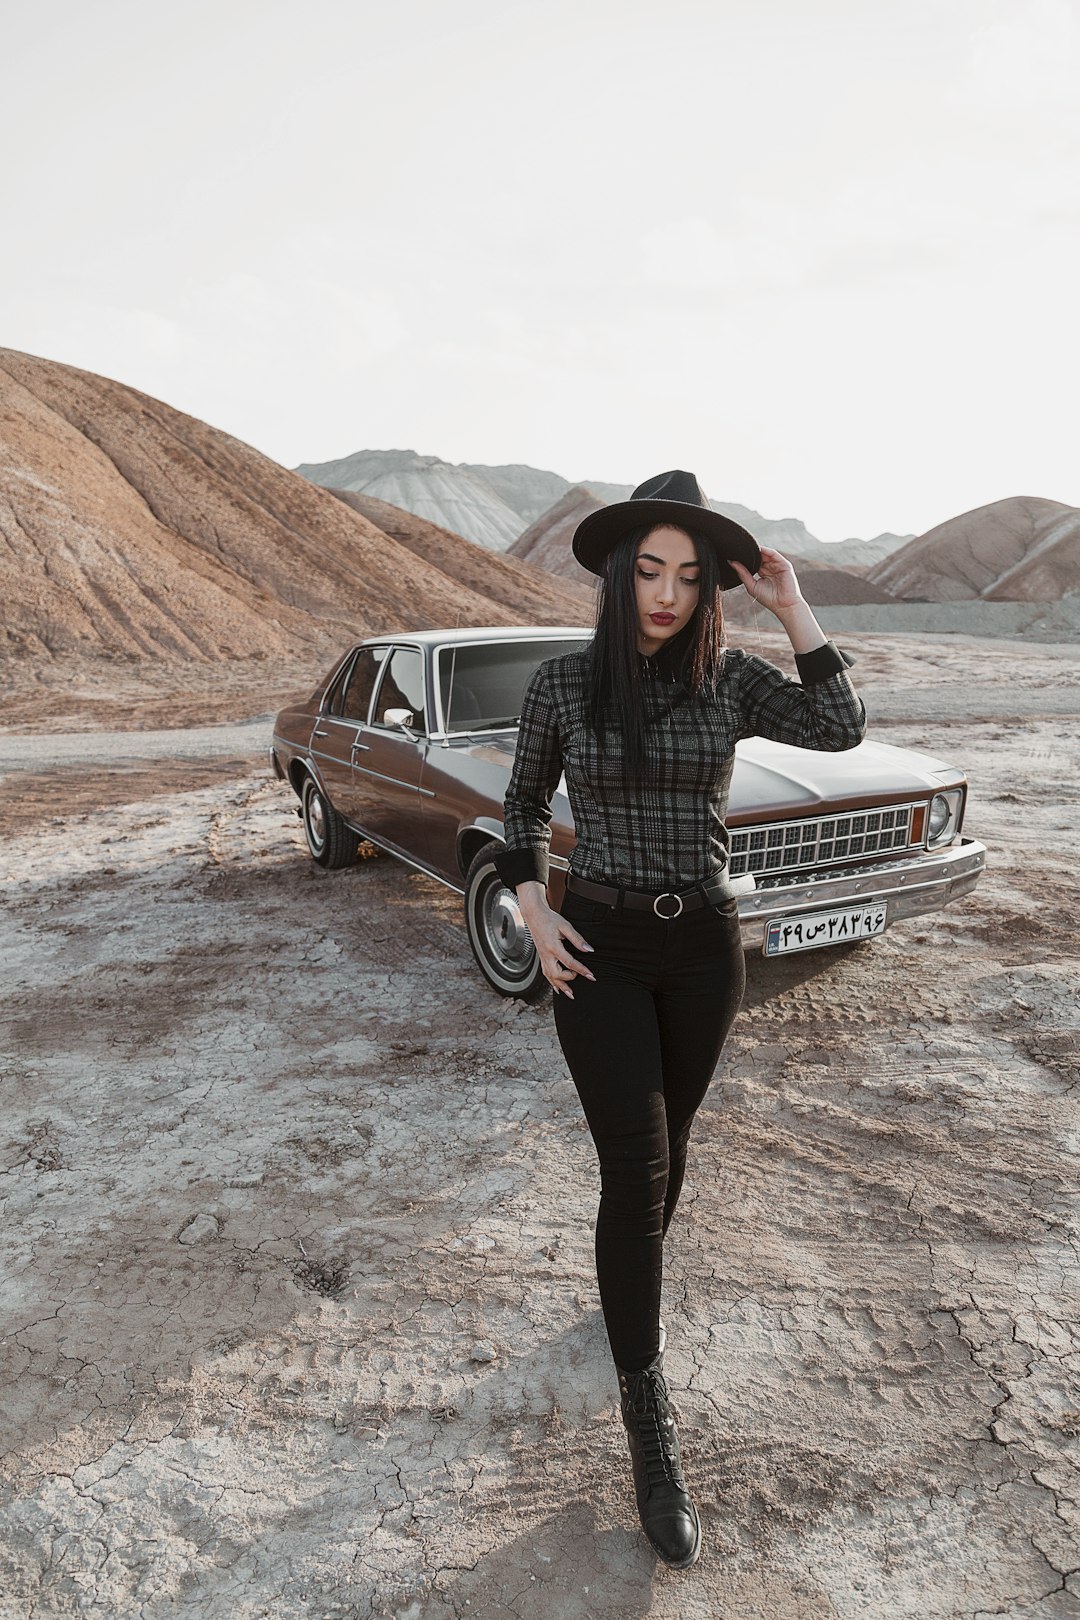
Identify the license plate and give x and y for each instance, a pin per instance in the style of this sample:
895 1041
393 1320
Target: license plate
819 928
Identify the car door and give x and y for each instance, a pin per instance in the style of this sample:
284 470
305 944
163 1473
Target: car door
337 732
388 761
480 686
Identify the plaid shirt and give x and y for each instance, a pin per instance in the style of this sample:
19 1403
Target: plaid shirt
666 831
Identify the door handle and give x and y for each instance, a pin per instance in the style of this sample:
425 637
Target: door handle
357 746
318 733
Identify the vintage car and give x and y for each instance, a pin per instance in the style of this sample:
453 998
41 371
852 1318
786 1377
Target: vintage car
409 741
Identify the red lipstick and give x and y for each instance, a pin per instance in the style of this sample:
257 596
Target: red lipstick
662 618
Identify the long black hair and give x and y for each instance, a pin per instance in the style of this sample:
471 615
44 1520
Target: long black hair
690 662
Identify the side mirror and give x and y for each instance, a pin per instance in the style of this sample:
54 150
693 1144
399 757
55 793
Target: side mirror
399 717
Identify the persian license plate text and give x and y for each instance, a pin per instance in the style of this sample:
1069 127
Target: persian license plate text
824 928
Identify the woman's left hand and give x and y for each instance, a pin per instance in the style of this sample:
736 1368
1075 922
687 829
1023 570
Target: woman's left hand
774 585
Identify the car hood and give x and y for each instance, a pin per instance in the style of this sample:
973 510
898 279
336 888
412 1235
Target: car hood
771 777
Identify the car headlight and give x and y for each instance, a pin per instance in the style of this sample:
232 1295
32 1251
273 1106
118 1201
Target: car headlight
943 819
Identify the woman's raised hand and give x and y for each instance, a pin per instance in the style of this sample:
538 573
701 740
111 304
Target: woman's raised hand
774 585
550 931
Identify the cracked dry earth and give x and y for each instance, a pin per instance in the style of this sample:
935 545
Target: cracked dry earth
299 1314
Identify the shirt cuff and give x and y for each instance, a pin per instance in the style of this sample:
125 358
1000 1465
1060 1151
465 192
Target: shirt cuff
516 866
821 663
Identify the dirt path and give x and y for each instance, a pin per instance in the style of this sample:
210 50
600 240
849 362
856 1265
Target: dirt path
300 1317
108 748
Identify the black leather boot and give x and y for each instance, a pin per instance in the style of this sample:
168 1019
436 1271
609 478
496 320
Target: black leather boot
668 1516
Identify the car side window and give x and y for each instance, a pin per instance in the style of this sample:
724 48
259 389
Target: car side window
402 687
361 683
332 700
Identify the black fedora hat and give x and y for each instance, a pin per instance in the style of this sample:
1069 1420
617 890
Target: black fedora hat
671 497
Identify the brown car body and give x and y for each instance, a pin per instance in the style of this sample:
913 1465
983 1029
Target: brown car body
811 832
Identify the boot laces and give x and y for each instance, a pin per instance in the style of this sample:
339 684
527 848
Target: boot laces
646 1403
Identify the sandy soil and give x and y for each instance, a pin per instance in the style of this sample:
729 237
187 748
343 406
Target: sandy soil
300 1318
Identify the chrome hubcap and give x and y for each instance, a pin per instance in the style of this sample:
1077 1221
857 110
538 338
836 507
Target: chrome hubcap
316 818
507 937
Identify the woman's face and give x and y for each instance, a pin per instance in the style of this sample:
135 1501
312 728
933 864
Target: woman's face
667 580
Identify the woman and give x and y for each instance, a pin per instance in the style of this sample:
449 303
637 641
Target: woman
645 956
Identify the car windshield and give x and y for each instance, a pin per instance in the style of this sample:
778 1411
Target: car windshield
482 685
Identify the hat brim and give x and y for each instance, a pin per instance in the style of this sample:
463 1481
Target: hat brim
596 534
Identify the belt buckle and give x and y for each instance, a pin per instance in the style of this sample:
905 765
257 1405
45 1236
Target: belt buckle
668 894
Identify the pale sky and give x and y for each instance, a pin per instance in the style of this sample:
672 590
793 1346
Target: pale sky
823 253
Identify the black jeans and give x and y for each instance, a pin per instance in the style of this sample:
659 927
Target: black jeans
641 1044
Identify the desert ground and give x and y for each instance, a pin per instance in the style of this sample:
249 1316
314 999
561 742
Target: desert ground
299 1316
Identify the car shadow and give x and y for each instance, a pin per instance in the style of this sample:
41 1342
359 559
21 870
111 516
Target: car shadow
770 976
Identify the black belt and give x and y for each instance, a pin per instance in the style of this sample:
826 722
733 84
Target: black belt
705 893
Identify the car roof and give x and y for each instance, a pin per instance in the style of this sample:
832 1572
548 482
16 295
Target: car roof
483 632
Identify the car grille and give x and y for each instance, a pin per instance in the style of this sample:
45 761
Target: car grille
795 846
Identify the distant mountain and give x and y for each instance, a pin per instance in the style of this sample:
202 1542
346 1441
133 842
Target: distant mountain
793 538
1023 549
528 491
497 505
131 532
859 555
608 494
789 535
862 553
455 498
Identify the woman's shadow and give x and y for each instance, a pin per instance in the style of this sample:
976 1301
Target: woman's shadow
578 1551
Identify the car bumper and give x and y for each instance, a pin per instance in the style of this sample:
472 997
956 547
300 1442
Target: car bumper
908 888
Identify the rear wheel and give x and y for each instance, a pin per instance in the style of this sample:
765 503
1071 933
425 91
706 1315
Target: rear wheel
331 842
500 941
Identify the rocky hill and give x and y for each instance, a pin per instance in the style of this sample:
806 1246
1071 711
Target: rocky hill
1023 549
132 532
526 593
824 586
547 542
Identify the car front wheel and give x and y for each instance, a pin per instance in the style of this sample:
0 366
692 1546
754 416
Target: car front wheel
331 842
500 941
